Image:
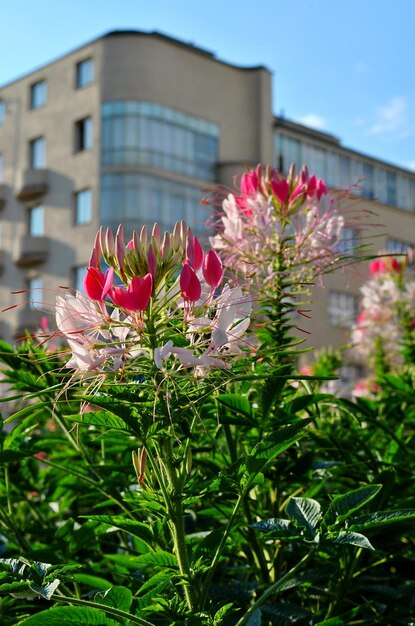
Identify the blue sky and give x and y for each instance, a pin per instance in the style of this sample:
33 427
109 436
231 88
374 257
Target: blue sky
343 67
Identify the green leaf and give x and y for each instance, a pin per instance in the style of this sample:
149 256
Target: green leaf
277 528
117 597
100 418
95 582
344 618
343 506
236 403
381 518
354 539
132 527
266 450
159 559
69 616
306 512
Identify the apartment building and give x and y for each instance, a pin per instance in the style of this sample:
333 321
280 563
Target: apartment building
131 128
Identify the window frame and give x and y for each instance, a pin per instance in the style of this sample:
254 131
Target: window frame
32 152
34 284
80 82
34 87
84 134
78 209
32 226
337 310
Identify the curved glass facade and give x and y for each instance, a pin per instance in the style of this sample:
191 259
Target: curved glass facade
135 199
145 133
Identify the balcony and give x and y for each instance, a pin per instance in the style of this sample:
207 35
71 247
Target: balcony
32 251
28 321
3 195
33 185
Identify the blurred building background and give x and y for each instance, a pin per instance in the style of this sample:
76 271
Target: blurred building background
132 128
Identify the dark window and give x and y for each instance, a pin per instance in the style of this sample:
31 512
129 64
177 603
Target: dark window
2 111
83 134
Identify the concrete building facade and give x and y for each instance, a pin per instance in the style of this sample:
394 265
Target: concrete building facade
131 128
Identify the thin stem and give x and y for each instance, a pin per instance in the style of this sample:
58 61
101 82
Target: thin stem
175 507
275 588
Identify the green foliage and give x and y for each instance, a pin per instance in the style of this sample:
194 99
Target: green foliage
255 502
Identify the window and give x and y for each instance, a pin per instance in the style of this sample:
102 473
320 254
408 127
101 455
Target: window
348 242
79 275
37 221
289 152
34 288
2 112
83 134
1 168
342 309
83 206
350 374
37 149
345 172
396 246
367 189
391 195
136 199
38 95
144 133
84 73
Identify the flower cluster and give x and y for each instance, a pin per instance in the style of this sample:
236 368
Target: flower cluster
386 312
159 298
274 224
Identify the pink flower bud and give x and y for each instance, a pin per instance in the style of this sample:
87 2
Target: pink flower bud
96 254
151 261
136 297
189 283
321 189
96 284
280 189
312 186
249 183
120 246
212 269
194 253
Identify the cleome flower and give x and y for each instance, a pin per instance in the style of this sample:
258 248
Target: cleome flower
160 299
273 224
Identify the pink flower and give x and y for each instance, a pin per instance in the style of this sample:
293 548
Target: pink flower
136 297
189 283
280 189
194 253
384 264
96 284
212 269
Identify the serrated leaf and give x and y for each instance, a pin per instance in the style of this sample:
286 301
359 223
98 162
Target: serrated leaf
236 403
343 506
307 513
117 597
265 451
354 539
100 418
69 616
381 518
